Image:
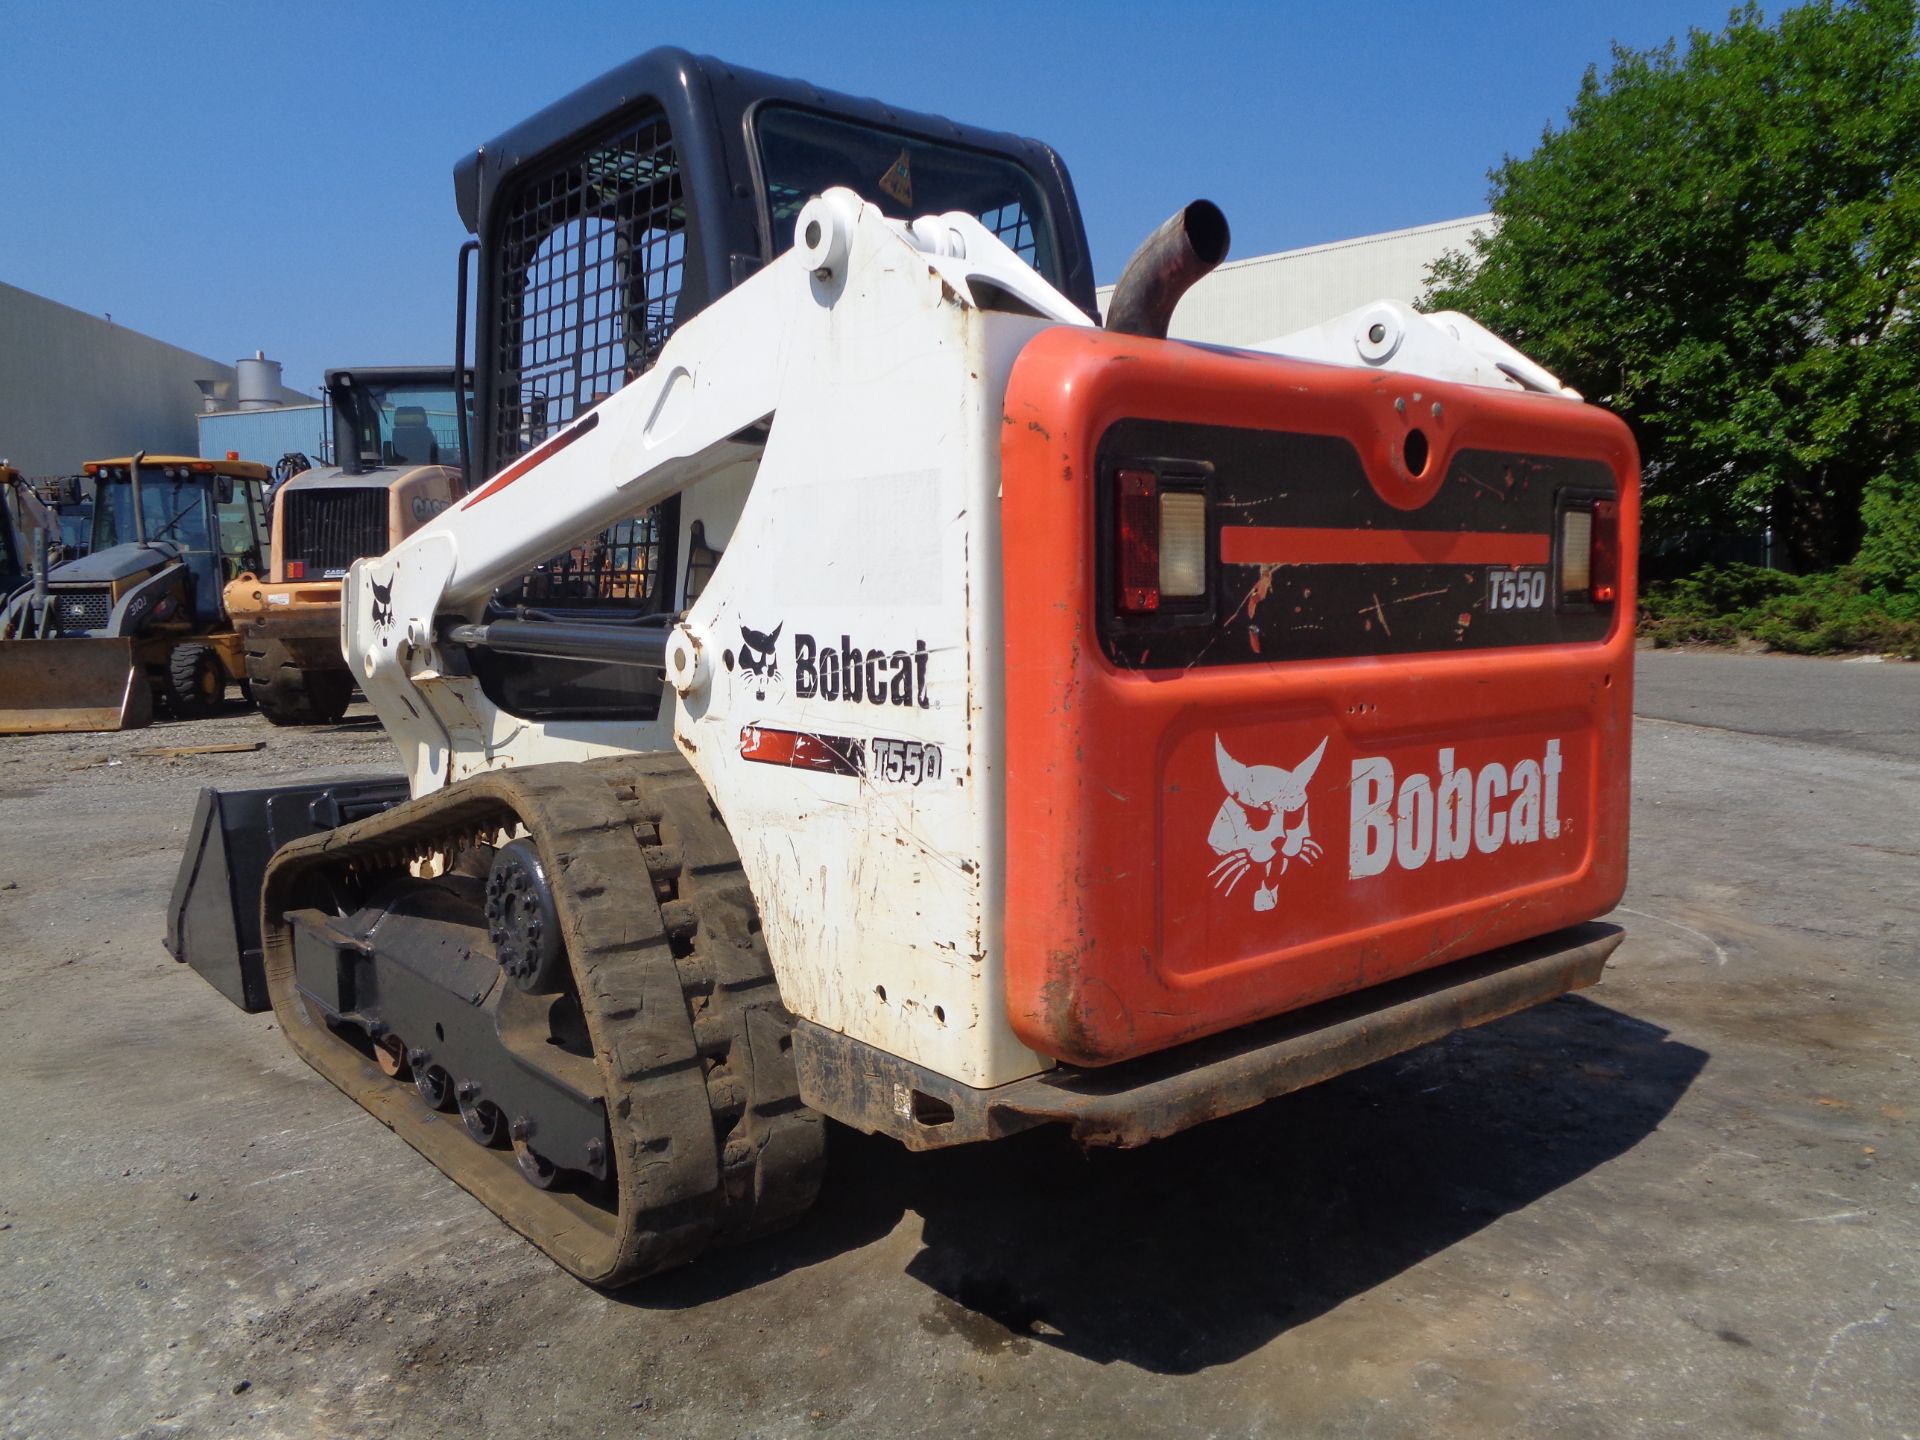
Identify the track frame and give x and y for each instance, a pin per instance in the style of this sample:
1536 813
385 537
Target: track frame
710 1141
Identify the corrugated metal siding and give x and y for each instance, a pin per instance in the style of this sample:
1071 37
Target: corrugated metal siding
263 436
1247 301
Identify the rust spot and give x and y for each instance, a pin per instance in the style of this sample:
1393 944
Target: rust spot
1039 429
1262 588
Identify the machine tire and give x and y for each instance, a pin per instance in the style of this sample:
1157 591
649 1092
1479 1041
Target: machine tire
196 682
711 1142
288 695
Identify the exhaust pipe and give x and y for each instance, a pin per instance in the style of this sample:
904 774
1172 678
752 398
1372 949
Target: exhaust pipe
1165 268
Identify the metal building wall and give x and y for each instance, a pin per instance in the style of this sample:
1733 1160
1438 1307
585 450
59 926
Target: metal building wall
263 435
75 387
1245 301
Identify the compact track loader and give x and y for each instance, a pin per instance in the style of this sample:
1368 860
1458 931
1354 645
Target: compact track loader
397 437
863 687
95 643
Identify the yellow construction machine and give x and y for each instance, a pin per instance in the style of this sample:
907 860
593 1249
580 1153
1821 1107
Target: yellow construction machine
97 642
396 440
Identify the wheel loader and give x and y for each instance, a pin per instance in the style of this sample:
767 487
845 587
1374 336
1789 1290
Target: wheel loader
1014 720
95 643
396 437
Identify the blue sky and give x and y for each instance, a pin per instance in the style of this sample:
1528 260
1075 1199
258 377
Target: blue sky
239 176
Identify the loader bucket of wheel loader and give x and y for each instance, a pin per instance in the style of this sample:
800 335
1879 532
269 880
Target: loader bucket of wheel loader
80 684
213 919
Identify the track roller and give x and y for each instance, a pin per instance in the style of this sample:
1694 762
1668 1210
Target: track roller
434 1084
390 1054
484 1122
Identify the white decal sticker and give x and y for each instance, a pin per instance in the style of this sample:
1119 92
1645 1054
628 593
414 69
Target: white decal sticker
1263 819
1461 812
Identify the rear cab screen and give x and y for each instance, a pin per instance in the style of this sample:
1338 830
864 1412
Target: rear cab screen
803 154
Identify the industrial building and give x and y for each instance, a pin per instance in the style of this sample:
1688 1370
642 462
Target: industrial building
76 387
1247 301
266 435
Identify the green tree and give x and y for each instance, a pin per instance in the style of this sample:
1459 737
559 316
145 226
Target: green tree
1722 244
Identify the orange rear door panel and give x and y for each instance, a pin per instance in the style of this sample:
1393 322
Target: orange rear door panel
1330 778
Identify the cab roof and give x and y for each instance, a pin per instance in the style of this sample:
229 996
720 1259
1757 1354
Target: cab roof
199 464
709 105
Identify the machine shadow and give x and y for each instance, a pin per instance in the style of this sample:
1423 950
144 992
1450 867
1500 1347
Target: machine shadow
1200 1249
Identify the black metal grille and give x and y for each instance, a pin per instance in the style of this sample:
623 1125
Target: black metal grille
328 530
617 568
1013 227
76 611
593 257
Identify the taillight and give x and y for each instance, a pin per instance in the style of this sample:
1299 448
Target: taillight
296 569
1137 530
1162 542
1605 584
1590 552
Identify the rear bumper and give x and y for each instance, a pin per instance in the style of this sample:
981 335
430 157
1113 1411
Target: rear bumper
1161 1094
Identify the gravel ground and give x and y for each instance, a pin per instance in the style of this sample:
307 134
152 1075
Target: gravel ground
1684 1200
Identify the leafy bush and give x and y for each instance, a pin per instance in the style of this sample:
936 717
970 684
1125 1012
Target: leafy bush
1838 610
1890 516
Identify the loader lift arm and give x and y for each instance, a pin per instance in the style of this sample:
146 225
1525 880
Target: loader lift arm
719 379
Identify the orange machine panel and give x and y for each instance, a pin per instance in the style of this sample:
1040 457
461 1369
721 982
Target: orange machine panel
1374 718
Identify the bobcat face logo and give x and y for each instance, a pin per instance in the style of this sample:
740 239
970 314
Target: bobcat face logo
758 664
382 602
1262 820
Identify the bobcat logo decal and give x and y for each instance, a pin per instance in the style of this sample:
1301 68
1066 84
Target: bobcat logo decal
1262 820
757 660
382 602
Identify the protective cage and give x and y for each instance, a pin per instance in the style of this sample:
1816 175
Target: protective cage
591 263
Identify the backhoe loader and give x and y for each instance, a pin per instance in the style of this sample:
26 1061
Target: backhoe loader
862 686
96 642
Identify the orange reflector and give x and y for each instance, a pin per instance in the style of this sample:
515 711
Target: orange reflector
1307 545
1137 535
1606 551
799 750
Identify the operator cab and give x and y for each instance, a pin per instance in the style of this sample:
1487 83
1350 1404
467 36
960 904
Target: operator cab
212 513
396 417
623 210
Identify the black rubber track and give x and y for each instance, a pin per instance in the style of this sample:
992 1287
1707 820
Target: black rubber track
711 1143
